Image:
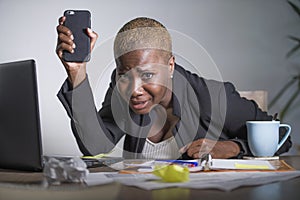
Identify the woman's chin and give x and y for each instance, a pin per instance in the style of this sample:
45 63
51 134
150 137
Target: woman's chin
140 111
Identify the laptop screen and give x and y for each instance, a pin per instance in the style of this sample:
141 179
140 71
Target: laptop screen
20 135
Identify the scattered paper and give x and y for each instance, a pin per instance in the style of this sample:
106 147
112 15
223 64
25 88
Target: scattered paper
225 181
99 178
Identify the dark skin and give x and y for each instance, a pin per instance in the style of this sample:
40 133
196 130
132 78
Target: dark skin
76 71
144 81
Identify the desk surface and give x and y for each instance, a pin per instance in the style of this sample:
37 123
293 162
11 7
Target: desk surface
22 185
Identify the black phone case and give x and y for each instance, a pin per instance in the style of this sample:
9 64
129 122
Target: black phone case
78 21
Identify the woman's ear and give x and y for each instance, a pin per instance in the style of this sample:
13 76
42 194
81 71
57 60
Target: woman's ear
172 65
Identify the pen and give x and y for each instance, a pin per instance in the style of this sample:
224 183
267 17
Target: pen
187 163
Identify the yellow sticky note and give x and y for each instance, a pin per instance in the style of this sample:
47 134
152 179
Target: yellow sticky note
101 155
172 173
248 166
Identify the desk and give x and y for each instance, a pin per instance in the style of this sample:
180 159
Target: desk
20 185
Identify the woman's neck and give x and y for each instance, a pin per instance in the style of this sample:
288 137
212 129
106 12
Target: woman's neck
158 134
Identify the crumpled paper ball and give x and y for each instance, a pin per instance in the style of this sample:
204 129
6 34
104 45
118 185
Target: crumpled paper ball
64 169
172 173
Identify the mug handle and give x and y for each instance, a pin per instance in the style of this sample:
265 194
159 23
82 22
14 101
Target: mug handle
288 127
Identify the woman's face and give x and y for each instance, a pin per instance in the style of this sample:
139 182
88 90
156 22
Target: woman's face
144 79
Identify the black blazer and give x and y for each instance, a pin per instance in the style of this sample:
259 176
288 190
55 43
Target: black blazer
206 108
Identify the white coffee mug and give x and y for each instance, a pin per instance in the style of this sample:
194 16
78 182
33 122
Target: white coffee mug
263 137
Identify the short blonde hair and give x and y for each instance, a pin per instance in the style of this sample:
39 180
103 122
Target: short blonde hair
142 33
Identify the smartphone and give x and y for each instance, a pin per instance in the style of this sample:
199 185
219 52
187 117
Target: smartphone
78 21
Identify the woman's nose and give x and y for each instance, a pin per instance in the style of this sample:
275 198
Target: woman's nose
138 91
136 87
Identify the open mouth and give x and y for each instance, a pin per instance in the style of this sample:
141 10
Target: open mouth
139 105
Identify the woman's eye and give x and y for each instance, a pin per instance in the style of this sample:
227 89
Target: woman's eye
123 76
147 75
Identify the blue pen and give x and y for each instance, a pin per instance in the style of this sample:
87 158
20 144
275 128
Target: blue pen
187 163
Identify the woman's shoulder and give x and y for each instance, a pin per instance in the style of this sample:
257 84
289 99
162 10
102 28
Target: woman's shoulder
196 80
203 85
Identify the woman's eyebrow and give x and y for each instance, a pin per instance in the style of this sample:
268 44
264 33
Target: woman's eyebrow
146 67
123 69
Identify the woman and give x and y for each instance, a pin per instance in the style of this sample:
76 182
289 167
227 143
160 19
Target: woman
163 110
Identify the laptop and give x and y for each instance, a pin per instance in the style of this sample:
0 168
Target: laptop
20 132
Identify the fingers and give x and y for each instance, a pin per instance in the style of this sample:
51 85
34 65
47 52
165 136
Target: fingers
200 147
184 149
63 29
193 149
64 47
217 149
61 20
94 36
64 43
65 39
198 151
